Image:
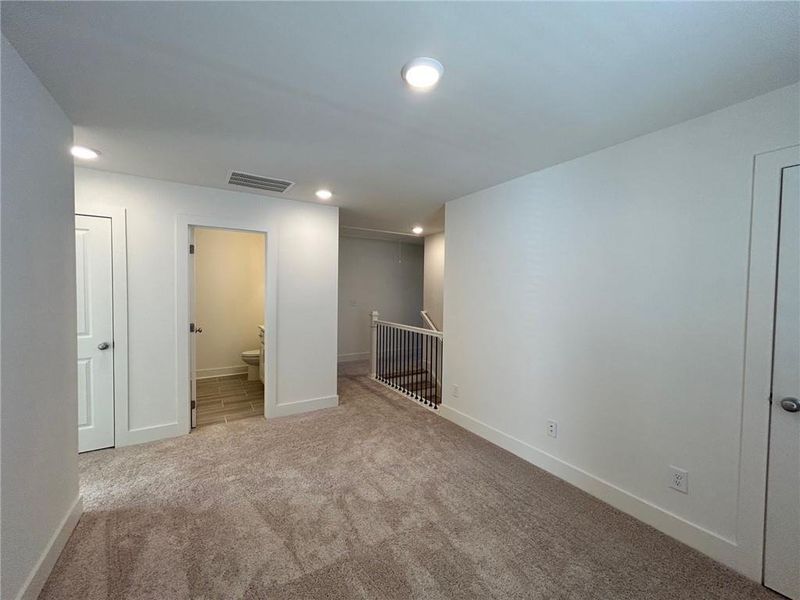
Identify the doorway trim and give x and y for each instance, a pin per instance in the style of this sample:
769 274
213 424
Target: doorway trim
182 281
757 376
119 295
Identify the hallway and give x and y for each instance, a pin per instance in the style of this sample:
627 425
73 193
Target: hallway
378 498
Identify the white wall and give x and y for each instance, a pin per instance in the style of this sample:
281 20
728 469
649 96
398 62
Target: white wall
38 374
307 237
376 275
229 298
608 293
433 287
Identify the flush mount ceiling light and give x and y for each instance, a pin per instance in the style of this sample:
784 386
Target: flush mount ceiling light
417 229
324 194
422 73
84 152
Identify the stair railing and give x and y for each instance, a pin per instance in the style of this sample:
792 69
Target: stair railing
428 321
407 359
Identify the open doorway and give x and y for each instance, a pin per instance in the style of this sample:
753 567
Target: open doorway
228 341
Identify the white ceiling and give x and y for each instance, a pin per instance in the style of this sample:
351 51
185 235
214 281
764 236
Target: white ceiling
311 92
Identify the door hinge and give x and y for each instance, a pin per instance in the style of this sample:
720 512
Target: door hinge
194 403
191 248
191 327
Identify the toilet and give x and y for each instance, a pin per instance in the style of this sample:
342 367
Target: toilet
252 359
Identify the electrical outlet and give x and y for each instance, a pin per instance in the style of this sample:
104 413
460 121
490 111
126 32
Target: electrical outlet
455 391
678 479
552 428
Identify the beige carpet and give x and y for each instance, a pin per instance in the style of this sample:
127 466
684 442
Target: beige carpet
377 498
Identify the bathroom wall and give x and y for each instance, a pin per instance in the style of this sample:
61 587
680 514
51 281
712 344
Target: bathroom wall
376 275
229 297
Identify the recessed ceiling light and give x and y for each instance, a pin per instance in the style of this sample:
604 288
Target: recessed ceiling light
84 152
417 229
423 73
324 194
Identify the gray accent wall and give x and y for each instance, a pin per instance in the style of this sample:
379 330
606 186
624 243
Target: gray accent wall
376 275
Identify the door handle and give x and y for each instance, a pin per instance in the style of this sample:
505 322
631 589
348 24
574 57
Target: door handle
790 404
102 346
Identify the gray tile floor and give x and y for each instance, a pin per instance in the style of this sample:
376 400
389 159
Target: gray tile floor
225 399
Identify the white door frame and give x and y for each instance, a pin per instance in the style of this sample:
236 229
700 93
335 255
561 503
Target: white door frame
758 357
119 294
182 282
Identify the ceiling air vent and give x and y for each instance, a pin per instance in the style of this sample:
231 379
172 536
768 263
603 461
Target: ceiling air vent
257 182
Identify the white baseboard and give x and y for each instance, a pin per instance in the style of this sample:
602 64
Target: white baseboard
353 356
717 547
221 371
41 571
301 406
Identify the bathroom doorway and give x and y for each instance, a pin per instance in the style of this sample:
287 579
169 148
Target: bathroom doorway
227 328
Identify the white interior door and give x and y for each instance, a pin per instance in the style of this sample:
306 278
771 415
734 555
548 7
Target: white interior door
782 541
95 333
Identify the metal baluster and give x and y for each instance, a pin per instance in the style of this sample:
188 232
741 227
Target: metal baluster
405 355
398 349
394 356
399 378
413 367
428 367
431 367
441 347
416 365
431 378
398 346
411 364
423 371
404 380
420 371
433 371
408 363
436 376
